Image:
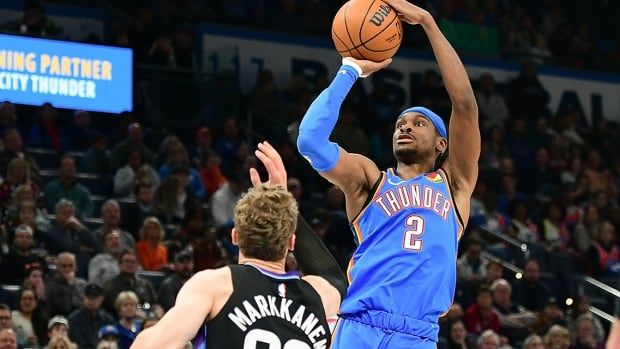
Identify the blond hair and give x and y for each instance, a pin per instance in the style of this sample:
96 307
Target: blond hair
559 330
155 221
265 219
125 296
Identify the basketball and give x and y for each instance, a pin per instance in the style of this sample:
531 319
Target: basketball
367 29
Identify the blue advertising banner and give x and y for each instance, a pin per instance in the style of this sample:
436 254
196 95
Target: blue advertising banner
66 74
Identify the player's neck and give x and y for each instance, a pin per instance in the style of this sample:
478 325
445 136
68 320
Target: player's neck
411 171
274 267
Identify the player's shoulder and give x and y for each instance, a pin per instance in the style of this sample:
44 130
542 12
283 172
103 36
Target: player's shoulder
214 278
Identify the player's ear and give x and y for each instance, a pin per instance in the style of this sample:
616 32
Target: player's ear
291 242
442 144
234 237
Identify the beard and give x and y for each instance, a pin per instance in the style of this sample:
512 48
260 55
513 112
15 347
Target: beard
407 155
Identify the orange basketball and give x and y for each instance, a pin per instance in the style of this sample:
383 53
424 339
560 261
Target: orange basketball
367 29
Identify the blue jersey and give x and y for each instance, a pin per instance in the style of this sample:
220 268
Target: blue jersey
405 263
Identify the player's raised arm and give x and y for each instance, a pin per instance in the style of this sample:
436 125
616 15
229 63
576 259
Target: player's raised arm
353 173
314 259
464 144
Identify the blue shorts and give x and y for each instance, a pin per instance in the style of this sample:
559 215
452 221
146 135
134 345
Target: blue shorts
378 330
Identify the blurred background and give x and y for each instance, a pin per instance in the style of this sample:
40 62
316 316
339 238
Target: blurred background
105 214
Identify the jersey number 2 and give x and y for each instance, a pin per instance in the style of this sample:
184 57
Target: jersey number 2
256 336
415 229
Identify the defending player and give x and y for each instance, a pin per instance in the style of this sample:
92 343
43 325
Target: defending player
407 220
256 304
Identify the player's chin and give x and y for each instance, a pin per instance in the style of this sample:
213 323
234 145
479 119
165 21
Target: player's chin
405 152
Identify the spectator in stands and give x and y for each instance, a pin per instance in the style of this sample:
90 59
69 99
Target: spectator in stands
60 342
34 279
178 158
599 178
8 117
587 229
134 213
66 187
20 258
17 174
97 157
172 198
457 338
104 266
13 148
5 317
521 225
24 193
80 135
554 229
111 216
183 270
153 255
209 252
349 133
514 319
65 290
530 291
156 131
8 338
35 22
108 335
604 255
127 280
28 214
557 337
493 109
489 339
203 148
135 171
549 315
533 341
585 338
494 271
134 140
481 316
528 98
509 193
30 319
45 133
166 146
58 326
68 234
493 149
226 145
581 307
471 268
211 174
224 199
295 187
86 321
128 326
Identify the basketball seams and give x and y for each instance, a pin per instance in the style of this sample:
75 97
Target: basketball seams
379 33
342 41
364 21
346 27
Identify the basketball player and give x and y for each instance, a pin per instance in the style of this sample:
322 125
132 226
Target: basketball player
407 220
256 304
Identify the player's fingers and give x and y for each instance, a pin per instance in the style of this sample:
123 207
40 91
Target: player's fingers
254 177
273 155
274 176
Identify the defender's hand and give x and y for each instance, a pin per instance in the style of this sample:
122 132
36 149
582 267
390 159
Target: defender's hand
409 12
272 162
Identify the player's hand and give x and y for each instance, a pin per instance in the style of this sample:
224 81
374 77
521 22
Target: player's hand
272 162
409 12
369 67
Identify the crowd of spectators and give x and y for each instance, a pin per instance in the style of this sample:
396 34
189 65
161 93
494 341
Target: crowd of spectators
92 254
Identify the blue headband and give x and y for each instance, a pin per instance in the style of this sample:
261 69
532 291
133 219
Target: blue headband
434 118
